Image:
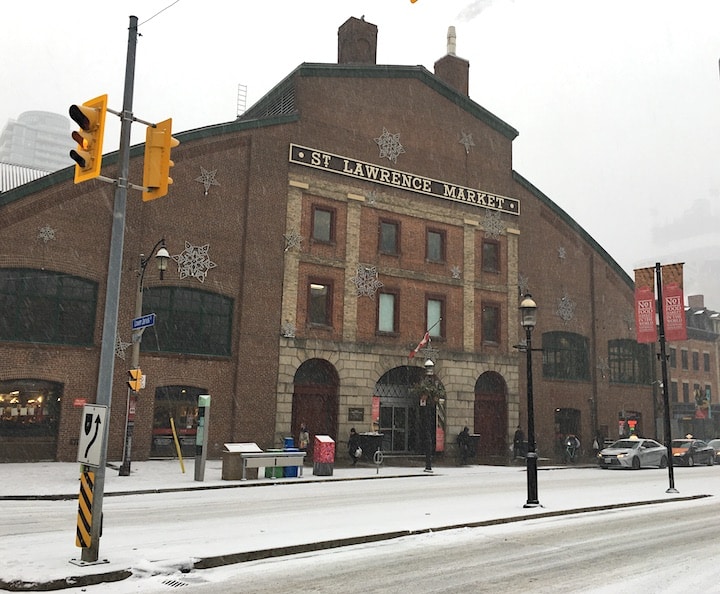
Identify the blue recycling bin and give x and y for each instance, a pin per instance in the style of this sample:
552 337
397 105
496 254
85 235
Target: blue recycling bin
288 442
290 470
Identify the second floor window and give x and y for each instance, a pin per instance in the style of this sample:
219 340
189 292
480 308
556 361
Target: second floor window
323 225
389 235
320 304
491 256
696 361
434 314
387 312
629 362
45 306
435 246
565 356
188 321
490 323
706 361
684 359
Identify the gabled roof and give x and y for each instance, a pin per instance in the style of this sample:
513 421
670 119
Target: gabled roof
280 100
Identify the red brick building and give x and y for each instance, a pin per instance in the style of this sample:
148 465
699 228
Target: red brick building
314 241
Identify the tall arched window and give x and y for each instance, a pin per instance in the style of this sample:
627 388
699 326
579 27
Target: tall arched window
45 306
188 321
630 362
565 356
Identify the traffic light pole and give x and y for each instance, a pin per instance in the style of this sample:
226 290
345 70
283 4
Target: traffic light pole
112 295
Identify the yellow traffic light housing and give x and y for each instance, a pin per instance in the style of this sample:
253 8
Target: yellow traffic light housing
135 380
157 163
90 116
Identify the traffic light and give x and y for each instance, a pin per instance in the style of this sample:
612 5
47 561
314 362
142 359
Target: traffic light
135 380
90 116
156 167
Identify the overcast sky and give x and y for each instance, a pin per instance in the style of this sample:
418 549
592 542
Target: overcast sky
617 101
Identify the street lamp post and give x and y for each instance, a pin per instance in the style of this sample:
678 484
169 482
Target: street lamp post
528 314
426 400
162 256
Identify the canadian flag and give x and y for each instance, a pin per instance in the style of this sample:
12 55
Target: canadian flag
421 344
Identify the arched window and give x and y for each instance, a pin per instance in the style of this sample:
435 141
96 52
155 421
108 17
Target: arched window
630 362
188 321
45 306
565 356
29 419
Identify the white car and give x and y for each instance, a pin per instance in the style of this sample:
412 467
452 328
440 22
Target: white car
633 452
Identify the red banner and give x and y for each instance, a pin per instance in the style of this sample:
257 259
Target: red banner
645 325
673 303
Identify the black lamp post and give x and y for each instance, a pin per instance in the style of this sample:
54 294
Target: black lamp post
528 315
427 404
162 256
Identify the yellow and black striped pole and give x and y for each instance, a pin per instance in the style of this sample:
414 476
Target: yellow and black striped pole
84 522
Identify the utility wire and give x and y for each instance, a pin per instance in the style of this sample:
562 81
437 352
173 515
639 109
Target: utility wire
157 13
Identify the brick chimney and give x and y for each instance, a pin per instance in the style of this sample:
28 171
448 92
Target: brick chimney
451 69
357 42
696 301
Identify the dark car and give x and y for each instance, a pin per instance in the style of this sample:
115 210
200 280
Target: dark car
688 452
715 445
633 452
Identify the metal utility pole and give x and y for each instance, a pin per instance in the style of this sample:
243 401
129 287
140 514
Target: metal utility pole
112 294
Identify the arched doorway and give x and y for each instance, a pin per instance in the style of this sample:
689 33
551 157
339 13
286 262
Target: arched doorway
491 413
315 400
29 419
179 403
401 417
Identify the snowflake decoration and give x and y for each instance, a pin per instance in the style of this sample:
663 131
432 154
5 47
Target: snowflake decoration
366 280
293 240
562 253
456 272
523 284
566 308
194 261
207 178
372 197
390 146
493 224
47 233
120 347
467 141
288 329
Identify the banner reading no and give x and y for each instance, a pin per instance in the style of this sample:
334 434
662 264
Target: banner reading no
645 325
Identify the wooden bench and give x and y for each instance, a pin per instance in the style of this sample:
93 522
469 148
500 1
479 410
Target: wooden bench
274 459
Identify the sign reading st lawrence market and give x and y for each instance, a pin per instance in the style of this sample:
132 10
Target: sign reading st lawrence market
317 159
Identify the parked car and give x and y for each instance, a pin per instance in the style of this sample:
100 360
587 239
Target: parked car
688 452
715 445
633 452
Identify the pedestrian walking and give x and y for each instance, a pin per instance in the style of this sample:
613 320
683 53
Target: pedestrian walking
354 449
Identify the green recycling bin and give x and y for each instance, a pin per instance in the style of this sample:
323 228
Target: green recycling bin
273 471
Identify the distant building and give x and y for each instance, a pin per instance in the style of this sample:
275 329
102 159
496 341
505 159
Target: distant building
38 140
693 373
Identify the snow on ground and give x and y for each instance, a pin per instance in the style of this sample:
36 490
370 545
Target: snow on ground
40 544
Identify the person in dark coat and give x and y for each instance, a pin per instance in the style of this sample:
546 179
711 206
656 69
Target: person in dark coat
354 446
463 442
